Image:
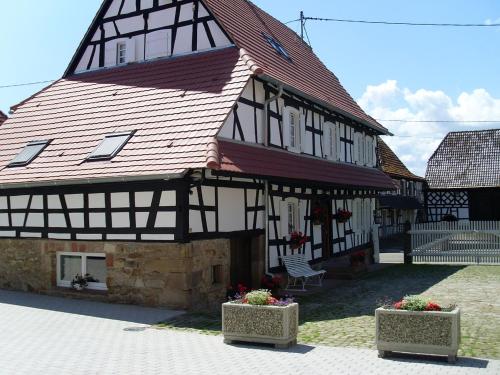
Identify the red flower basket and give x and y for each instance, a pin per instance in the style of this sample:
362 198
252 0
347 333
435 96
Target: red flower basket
298 239
343 216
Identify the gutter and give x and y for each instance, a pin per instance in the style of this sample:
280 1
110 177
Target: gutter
266 183
85 181
326 105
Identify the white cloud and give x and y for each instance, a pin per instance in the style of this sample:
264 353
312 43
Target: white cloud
490 21
415 142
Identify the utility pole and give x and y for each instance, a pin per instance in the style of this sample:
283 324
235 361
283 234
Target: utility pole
302 24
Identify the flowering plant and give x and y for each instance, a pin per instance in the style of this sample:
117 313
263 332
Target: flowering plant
236 293
298 239
343 216
320 215
270 282
263 297
418 303
357 258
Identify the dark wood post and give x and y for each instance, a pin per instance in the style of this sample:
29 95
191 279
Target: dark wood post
407 243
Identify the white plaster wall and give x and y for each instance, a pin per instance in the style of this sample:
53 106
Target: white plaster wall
231 210
158 44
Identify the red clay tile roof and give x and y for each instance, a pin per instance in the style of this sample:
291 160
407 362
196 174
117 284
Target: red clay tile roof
245 23
259 161
391 164
176 106
3 117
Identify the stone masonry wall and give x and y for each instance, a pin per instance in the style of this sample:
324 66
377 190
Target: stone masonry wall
168 274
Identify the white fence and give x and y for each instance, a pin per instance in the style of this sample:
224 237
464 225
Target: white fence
462 242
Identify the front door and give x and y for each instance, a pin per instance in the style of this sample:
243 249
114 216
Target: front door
326 230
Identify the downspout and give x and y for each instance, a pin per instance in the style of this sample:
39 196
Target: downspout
266 182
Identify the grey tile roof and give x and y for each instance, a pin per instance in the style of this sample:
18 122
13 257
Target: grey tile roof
468 159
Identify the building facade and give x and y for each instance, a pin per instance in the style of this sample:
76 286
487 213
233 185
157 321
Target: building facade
464 177
184 145
404 205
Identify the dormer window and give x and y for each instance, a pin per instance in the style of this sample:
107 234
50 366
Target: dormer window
121 53
110 146
277 46
28 153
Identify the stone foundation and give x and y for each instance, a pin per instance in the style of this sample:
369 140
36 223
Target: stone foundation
171 275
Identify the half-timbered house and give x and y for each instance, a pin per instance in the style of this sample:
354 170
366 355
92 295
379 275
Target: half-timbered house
463 176
184 144
403 205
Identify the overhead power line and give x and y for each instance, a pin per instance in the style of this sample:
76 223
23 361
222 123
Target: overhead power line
26 84
430 24
444 121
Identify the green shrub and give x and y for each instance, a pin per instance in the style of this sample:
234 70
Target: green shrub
415 303
258 297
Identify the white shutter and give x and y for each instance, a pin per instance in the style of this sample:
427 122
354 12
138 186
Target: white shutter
130 50
374 151
366 149
326 139
303 139
302 214
356 147
283 218
361 148
337 142
286 127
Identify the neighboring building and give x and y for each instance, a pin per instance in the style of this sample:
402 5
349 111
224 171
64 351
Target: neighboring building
3 117
464 177
402 205
184 144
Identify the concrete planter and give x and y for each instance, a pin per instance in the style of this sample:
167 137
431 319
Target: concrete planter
277 325
426 332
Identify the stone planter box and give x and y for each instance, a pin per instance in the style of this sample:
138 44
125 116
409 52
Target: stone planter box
277 325
426 332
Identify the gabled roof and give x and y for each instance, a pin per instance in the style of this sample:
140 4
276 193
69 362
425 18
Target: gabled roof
3 117
245 23
175 106
469 159
257 160
391 164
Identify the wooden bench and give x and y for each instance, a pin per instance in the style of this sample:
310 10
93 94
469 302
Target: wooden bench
299 270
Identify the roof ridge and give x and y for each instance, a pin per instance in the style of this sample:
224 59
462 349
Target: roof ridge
252 65
472 131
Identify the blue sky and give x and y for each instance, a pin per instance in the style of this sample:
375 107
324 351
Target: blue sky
413 73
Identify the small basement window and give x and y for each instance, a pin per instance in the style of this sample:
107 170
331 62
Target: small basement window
28 153
277 46
91 265
110 146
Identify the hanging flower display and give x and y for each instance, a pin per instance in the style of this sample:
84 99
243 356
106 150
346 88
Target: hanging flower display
343 216
298 239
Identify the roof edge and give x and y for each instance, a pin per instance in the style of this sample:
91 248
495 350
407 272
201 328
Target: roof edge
381 131
85 181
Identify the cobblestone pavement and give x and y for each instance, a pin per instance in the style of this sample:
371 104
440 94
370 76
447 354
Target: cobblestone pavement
342 315
48 335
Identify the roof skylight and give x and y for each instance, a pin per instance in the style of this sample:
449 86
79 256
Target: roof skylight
110 146
28 153
277 46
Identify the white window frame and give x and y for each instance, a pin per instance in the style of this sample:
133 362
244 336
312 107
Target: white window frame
287 113
121 53
331 141
83 269
286 228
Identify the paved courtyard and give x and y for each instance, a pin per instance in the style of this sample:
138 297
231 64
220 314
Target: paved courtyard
49 335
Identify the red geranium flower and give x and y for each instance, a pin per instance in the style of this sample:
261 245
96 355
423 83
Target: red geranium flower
399 305
431 306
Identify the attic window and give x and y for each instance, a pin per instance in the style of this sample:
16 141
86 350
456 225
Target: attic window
277 46
110 146
121 53
28 153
